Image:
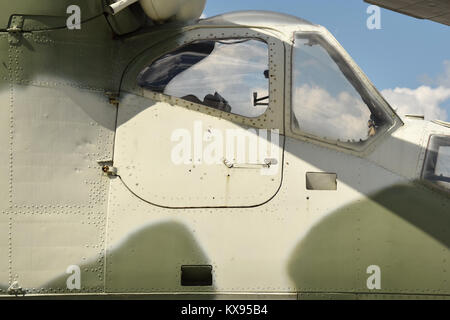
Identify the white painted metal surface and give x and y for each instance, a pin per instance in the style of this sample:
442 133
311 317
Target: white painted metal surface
162 10
58 209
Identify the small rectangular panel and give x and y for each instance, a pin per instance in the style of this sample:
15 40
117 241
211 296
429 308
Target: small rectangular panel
321 181
196 275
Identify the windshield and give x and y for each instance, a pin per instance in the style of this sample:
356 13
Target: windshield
329 101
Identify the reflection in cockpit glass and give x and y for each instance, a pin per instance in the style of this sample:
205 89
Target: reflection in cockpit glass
443 163
328 99
437 161
230 75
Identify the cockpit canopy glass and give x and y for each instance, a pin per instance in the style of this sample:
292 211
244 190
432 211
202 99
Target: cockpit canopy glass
437 161
328 100
230 75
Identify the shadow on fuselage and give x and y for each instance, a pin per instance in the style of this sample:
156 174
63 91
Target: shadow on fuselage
404 229
147 262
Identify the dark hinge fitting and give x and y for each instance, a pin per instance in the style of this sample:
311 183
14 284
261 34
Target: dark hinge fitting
15 29
113 98
16 24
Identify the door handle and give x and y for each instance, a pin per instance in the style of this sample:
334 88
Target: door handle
267 163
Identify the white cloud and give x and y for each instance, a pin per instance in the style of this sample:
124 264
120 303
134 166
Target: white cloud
423 100
342 117
441 80
426 100
444 79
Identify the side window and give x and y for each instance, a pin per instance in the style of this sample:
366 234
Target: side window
437 161
328 99
229 75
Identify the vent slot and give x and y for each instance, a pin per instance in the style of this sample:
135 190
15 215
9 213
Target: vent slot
196 275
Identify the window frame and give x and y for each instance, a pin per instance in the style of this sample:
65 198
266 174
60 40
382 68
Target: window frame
380 103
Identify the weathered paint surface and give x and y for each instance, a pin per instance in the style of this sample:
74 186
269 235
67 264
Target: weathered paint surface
57 208
403 229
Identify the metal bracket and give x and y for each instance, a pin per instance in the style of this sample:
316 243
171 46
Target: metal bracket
108 167
16 24
15 29
257 101
109 171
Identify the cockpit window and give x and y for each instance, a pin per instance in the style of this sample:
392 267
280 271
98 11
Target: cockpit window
437 161
329 101
229 75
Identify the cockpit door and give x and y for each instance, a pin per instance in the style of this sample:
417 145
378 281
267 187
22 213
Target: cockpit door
204 126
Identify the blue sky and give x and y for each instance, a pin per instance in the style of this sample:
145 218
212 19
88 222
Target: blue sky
405 59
